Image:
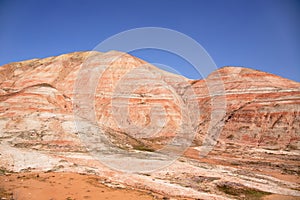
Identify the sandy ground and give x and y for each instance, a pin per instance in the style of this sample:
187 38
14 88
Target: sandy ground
279 197
62 186
70 186
73 186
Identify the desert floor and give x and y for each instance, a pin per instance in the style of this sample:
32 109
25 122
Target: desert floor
71 186
62 186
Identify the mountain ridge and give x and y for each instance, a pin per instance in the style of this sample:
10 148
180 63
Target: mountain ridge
236 117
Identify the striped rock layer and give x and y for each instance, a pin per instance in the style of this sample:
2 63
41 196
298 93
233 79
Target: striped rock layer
237 130
135 104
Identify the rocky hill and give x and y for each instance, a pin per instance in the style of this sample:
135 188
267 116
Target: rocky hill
238 129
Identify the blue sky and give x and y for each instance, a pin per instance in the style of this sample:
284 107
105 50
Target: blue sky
259 34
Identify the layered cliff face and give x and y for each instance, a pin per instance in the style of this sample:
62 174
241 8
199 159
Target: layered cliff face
260 109
49 108
42 96
263 109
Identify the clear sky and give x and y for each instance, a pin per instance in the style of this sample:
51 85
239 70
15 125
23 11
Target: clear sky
259 34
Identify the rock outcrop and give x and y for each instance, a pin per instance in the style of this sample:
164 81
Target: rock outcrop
49 108
262 109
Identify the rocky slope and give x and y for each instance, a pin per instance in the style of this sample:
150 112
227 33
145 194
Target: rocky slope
243 125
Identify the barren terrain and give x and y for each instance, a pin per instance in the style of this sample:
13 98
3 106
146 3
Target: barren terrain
90 125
